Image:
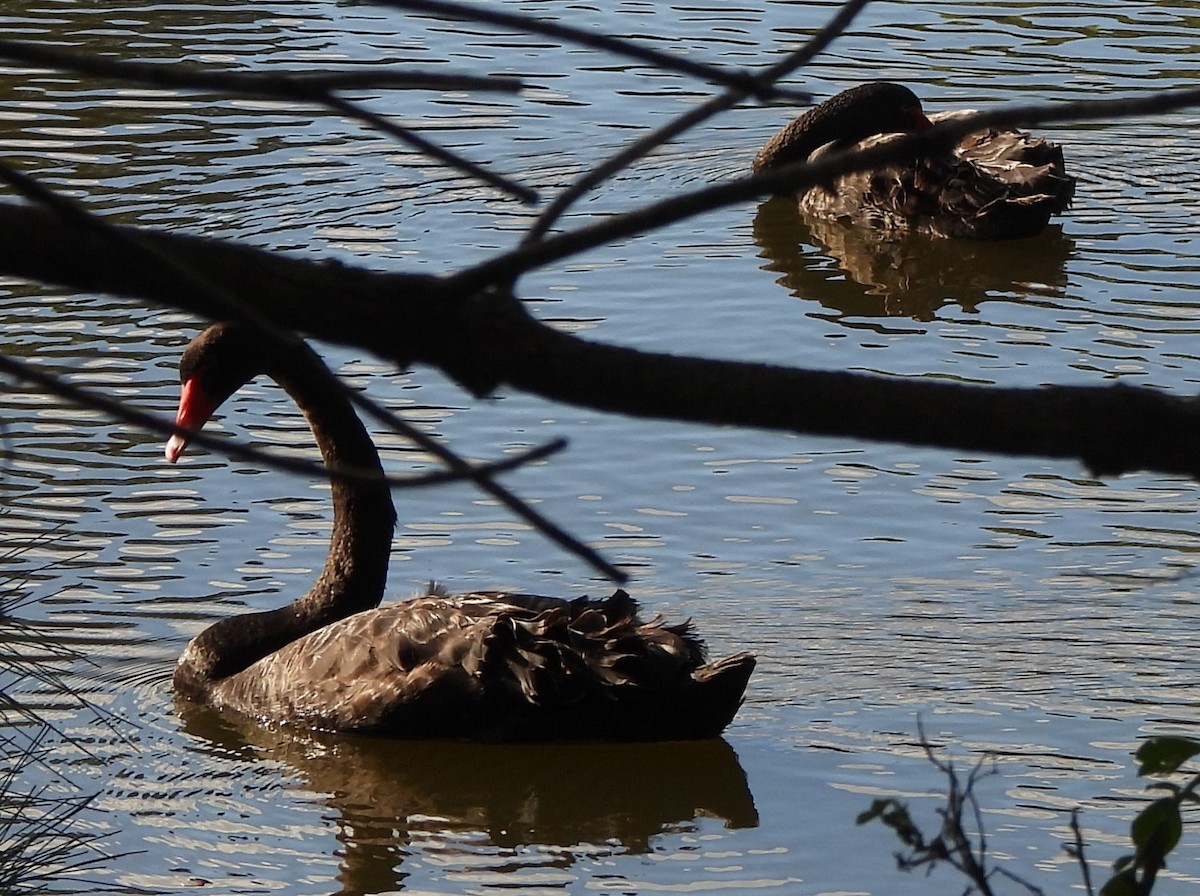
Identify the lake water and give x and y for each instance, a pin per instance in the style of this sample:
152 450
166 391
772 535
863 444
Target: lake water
1016 609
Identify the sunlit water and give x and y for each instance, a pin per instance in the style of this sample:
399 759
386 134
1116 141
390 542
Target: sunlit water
1011 608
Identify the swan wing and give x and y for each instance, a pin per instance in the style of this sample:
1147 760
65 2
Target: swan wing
486 665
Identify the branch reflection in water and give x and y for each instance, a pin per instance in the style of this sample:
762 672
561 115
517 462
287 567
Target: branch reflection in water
903 275
556 797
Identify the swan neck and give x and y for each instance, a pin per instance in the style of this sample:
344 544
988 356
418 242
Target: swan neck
355 572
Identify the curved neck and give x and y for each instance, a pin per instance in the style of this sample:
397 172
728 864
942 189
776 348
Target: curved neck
806 134
355 571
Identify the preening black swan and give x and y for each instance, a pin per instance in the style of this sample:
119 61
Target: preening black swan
487 665
992 185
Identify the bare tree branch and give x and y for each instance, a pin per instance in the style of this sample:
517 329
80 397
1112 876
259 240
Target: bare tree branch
660 136
527 195
487 340
482 478
472 327
305 88
279 85
166 266
617 46
119 410
507 267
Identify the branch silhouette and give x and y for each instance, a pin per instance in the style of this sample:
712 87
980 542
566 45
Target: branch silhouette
508 266
597 41
165 264
486 340
23 371
645 145
320 90
472 325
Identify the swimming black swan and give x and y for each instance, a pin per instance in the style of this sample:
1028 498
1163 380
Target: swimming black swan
488 666
992 185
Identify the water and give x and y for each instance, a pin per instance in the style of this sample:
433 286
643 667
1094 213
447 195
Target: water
1006 607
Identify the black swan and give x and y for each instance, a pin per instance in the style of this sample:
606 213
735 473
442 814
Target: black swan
487 666
992 185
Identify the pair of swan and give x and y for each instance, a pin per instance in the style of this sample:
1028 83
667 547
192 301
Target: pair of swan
501 666
485 665
995 184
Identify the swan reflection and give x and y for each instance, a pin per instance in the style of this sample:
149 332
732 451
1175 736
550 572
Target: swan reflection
573 800
868 273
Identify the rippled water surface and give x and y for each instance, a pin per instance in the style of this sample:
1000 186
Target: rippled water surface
1016 608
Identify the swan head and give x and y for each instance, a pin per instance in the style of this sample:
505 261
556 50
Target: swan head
879 107
214 365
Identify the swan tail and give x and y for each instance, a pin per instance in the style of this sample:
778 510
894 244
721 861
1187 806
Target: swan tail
593 669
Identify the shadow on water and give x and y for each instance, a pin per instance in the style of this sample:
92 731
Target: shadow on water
549 796
865 273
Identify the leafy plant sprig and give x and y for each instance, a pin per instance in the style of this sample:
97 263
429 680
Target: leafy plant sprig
1157 829
961 843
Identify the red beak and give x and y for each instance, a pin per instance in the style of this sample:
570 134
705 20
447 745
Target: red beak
194 410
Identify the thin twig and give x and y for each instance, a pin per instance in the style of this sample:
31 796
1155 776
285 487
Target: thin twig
972 860
966 856
522 509
1077 850
308 88
461 471
281 85
457 468
526 194
690 119
800 176
588 38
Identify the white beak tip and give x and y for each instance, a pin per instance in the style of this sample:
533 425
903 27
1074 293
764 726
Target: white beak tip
174 449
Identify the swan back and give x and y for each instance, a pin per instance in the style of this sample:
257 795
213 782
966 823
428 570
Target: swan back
497 666
994 184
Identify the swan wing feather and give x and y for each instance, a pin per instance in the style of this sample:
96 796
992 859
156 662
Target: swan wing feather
485 664
994 184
